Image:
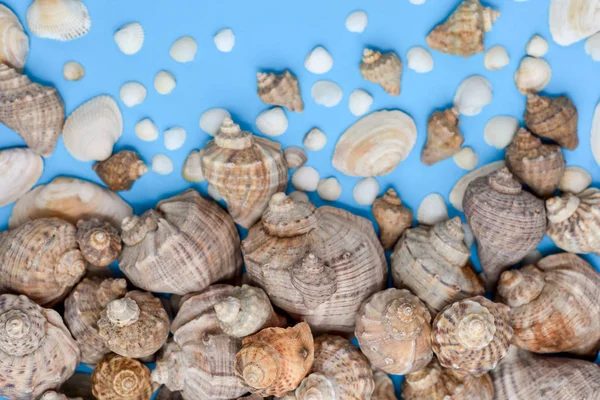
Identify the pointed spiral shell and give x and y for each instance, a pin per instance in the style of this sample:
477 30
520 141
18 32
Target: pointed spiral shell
117 377
384 69
99 242
280 90
553 118
392 217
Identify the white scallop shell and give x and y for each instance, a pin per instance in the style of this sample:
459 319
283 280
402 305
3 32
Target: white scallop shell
146 130
211 120
224 40
174 138
592 47
458 191
595 135
14 43
533 75
132 93
432 210
20 169
315 140
417 2
537 46
73 71
499 131
326 93
164 82
306 179
272 122
419 59
329 189
162 164
184 49
357 21
359 102
192 168
365 191
575 180
573 20
318 61
58 19
130 38
496 58
466 158
472 95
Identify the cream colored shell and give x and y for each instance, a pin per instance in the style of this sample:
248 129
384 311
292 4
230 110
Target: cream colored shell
14 43
384 69
58 19
121 378
444 138
20 169
392 217
573 20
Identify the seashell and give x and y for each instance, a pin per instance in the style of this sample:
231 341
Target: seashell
298 195
496 58
192 168
130 38
499 131
458 191
224 40
575 180
164 82
376 144
318 264
272 122
211 120
14 43
52 395
280 90
184 49
339 371
435 383
392 217
214 193
93 128
507 221
471 336
393 330
444 138
122 378
70 199
314 140
58 19
469 237
532 257
383 69
466 158
434 264
82 312
533 75
574 221
146 130
537 46
573 20
132 93
329 189
306 178
326 93
365 191
79 385
73 71
121 170
33 337
295 157
463 33
432 210
473 94
174 138
592 47
20 169
275 360
357 21
384 387
99 242
134 326
360 102
419 60
553 118
34 112
318 61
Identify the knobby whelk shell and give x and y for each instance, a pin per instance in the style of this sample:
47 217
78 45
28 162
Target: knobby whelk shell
392 217
14 43
553 118
58 19
121 170
20 169
444 139
573 20
384 69
99 242
280 90
121 378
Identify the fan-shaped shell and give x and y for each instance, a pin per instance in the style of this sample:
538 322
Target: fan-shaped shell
444 139
14 43
58 19
392 217
121 170
121 378
384 69
376 144
99 242
280 90
573 20
20 169
553 118
37 352
130 38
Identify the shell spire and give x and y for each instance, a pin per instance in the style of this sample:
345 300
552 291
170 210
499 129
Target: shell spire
554 118
444 139
99 242
384 69
280 90
121 378
392 217
314 280
121 170
285 217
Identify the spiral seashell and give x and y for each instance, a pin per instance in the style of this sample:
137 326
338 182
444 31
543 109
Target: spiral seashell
444 139
280 90
52 395
434 264
14 43
295 157
553 118
121 170
315 281
99 242
122 378
384 387
383 69
392 217
37 352
20 169
393 330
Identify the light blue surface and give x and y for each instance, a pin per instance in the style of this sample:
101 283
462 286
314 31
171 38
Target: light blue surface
275 35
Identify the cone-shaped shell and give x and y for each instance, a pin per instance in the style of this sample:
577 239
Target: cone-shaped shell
121 378
384 387
280 90
41 259
444 139
14 43
121 170
35 112
434 264
99 242
188 244
37 352
384 69
20 169
392 217
275 360
471 336
507 221
554 305
462 34
553 118
82 312
574 221
58 19
316 264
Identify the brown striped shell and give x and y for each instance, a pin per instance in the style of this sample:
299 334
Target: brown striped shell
553 118
444 139
392 217
384 387
383 69
280 90
121 170
121 378
99 242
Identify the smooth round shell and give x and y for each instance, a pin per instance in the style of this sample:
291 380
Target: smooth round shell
419 60
164 82
130 38
318 61
496 58
73 71
224 40
357 21
472 95
20 169
132 93
184 49
327 93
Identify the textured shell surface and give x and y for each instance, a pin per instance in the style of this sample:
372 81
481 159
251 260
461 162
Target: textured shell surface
392 217
554 118
384 387
58 19
457 193
14 43
121 378
573 20
130 38
20 169
121 170
376 144
393 328
385 69
192 168
188 243
99 242
318 264
295 157
444 139
37 352
280 90
246 170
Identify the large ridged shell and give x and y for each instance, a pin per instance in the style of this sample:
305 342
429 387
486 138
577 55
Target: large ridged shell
444 139
434 264
121 170
37 352
35 112
573 20
14 43
384 387
280 90
384 69
58 19
553 118
393 329
20 169
457 193
376 144
121 378
392 217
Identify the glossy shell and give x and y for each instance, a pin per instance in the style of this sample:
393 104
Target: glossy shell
553 118
122 378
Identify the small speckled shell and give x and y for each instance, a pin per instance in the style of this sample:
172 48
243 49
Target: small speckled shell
553 118
99 242
121 170
392 217
280 90
444 139
121 378
384 69
384 387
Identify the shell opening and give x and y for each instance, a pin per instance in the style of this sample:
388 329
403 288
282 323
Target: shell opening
228 310
123 312
477 330
561 208
125 382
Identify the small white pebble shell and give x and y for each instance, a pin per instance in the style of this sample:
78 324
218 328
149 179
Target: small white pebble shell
164 82
472 95
184 49
298 195
496 58
432 210
365 191
360 102
214 193
357 21
130 38
272 122
73 71
533 75
132 93
162 164
211 120
318 61
224 40
315 140
469 237
537 46
326 93
466 158
531 258
592 46
500 130
305 178
174 138
575 180
329 189
146 130
419 59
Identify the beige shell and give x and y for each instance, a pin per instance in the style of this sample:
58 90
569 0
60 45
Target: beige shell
384 387
540 166
392 217
134 326
295 157
82 312
376 144
554 305
384 69
507 221
463 33
553 118
471 336
192 168
121 170
246 170
574 221
318 264
14 43
40 259
444 139
573 20
35 112
187 244
71 199
434 264
37 352
58 19
99 242
20 169
437 383
121 378
275 360
52 395
280 90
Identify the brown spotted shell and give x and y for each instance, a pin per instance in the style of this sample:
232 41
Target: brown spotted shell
553 118
384 387
444 139
121 170
392 217
99 242
280 90
121 378
383 69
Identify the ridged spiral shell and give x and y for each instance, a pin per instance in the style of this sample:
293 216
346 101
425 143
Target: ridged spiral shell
280 90
444 138
392 217
121 170
121 378
99 241
553 118
384 69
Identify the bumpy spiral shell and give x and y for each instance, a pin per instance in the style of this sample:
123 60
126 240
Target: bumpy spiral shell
121 378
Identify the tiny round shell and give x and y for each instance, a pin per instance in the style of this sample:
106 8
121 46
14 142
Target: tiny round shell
466 158
121 378
329 189
224 40
472 95
99 242
132 93
211 120
419 60
499 131
315 140
164 82
130 38
174 138
360 102
146 130
272 122
318 61
432 210
73 71
326 93
295 157
306 178
184 49
496 58
533 75
162 164
365 191
537 46
575 180
357 21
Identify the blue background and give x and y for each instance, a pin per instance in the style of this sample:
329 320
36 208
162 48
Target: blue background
274 35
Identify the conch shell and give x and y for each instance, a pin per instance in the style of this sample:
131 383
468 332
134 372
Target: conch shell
392 217
573 20
393 328
280 90
14 43
444 139
434 264
20 169
121 378
99 242
121 170
384 69
384 387
553 118
462 34
58 19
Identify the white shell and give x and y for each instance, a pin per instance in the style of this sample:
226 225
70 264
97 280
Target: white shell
537 46
592 47
595 135
326 93
318 61
58 19
466 158
162 164
224 40
306 178
496 58
575 180
469 236
432 210
91 130
184 49
458 191
211 120
214 193
357 21
532 258
164 82
130 38
329 189
315 140
360 102
132 93
533 75
573 20
272 122
20 169
365 191
192 168
146 130
499 131
419 59
417 2
73 71
174 138
298 195
472 95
